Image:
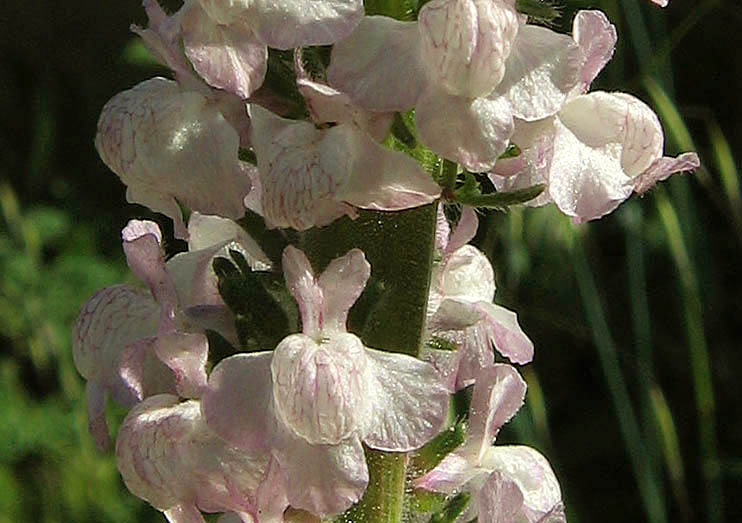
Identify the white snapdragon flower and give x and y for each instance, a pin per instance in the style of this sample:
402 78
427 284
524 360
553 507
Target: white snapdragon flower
313 400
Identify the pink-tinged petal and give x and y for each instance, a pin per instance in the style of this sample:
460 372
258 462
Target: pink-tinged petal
342 282
112 318
540 72
379 65
661 3
322 479
145 258
321 388
300 281
597 39
379 178
499 500
95 395
442 230
410 402
531 167
218 318
465 43
532 473
505 333
662 168
555 515
206 231
464 232
185 354
498 394
327 104
449 475
237 404
228 57
272 497
602 142
301 170
194 277
286 24
168 456
142 373
184 514
471 132
468 275
162 39
173 147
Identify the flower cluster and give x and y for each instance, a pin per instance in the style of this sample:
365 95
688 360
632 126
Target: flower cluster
264 118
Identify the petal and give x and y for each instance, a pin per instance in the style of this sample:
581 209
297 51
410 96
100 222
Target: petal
500 500
162 39
379 178
542 69
228 57
327 104
602 141
168 146
111 319
95 395
322 479
597 39
342 282
464 232
237 404
498 394
321 389
468 275
185 354
301 170
379 65
146 260
505 333
300 281
286 24
141 373
206 231
169 457
662 168
465 43
410 402
532 473
184 514
472 132
449 475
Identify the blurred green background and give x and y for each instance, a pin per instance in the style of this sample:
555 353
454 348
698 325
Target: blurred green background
633 394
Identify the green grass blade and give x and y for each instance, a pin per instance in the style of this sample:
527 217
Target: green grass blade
637 451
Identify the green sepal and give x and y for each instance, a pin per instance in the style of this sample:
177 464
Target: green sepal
545 12
513 151
428 160
433 452
470 194
421 501
263 317
316 60
453 509
402 133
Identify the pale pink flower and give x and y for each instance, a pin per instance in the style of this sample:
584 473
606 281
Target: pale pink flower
131 343
310 177
173 148
169 457
460 309
468 67
312 401
508 483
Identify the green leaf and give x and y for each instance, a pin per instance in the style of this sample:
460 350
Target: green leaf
453 509
433 452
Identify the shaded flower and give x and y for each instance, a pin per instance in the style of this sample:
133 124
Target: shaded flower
169 457
508 483
312 401
460 309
